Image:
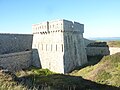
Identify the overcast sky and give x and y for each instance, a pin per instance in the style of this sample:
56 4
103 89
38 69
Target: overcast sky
100 17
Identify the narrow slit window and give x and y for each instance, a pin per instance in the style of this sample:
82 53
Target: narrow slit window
62 47
56 47
38 46
51 47
42 46
46 47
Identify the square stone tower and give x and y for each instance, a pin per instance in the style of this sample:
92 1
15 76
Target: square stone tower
59 44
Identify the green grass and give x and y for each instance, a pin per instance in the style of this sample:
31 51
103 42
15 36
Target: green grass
107 71
30 79
43 79
103 77
7 83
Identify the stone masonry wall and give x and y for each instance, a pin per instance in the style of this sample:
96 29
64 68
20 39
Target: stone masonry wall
74 51
16 61
59 44
10 43
50 50
93 51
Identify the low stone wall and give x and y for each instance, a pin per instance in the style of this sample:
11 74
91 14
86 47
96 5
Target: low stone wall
92 51
114 50
16 61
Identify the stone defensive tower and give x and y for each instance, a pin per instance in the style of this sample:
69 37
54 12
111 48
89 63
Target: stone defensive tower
60 45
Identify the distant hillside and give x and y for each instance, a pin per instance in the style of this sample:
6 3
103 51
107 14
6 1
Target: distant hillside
107 71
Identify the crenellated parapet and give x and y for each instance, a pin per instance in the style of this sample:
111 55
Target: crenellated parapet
57 26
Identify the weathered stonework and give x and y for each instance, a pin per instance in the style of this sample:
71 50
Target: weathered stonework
16 61
96 48
10 43
60 45
93 51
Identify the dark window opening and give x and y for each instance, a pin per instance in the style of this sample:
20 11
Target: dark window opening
42 46
56 47
46 47
51 47
62 47
75 49
38 46
27 50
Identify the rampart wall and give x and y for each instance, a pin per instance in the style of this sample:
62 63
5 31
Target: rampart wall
96 48
16 61
10 43
87 41
93 51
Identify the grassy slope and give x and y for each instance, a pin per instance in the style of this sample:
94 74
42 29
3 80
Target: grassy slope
113 43
107 71
43 79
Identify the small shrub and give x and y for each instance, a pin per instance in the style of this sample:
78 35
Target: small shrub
44 72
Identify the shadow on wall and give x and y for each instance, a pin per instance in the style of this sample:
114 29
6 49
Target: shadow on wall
74 48
36 58
92 60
